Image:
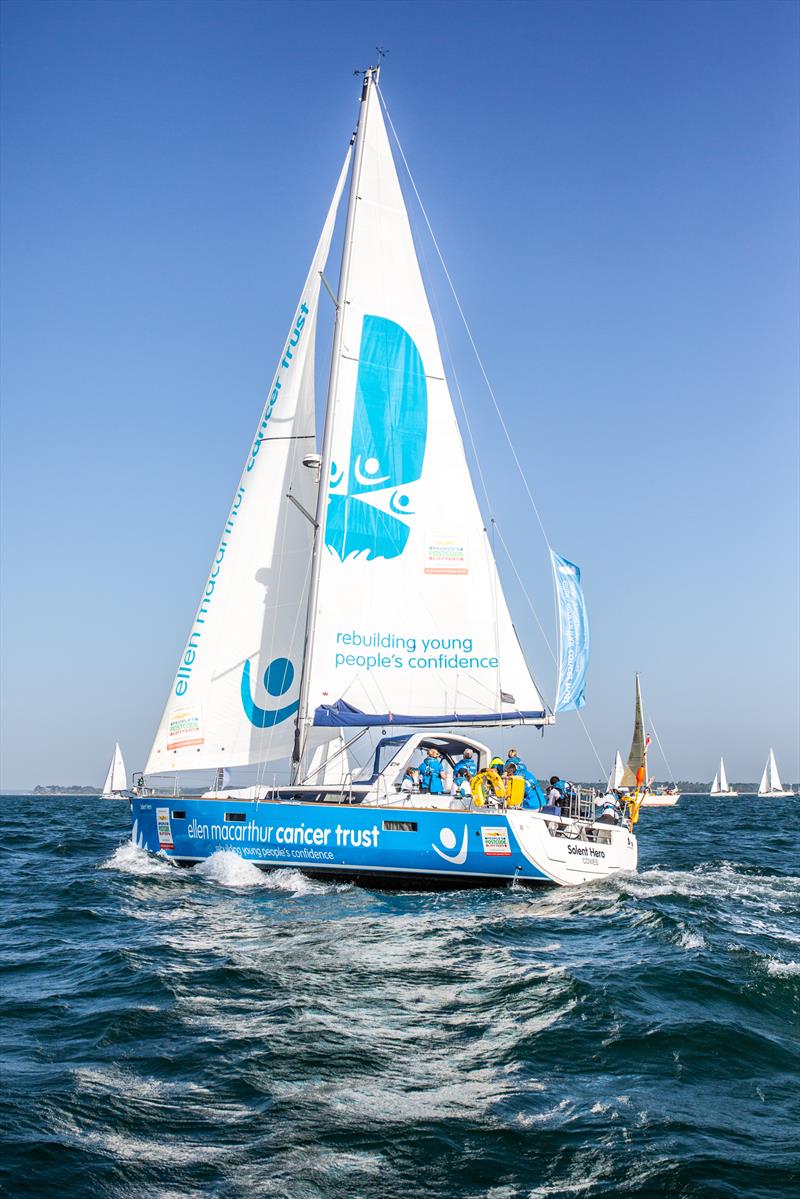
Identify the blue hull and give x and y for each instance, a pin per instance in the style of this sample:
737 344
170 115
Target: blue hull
390 847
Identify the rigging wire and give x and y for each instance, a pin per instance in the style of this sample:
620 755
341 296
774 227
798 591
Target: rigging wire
499 413
467 328
663 755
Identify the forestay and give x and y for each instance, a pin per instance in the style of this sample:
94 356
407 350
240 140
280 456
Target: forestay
411 624
235 692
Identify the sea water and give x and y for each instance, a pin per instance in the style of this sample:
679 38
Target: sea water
224 1032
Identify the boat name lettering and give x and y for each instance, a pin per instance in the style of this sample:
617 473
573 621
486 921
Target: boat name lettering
586 851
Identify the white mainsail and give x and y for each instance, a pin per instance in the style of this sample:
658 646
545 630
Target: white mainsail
116 779
410 625
615 778
235 693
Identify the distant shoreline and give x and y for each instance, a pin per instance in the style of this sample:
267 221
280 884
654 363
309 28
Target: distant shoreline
57 791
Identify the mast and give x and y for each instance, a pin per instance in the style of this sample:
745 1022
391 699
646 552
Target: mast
371 75
640 718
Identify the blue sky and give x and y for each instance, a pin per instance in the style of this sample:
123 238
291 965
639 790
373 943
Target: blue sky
615 189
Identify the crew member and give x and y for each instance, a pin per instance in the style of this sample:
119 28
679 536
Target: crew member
430 773
461 783
610 811
467 762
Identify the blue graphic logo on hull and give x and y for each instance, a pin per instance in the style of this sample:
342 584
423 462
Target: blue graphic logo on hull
278 678
369 505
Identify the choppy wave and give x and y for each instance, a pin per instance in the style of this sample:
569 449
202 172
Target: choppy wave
227 1031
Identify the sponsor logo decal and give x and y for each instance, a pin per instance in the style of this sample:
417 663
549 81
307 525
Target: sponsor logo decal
495 842
278 678
164 829
445 555
184 728
370 502
449 840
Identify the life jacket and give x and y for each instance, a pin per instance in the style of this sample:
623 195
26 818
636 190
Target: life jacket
515 791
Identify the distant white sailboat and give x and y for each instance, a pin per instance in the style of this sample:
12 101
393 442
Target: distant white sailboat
721 786
771 786
116 784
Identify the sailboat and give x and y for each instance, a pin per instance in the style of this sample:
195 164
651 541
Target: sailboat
720 785
634 776
116 784
771 786
354 591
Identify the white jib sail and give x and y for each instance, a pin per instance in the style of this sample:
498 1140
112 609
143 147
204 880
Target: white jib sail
411 624
235 694
116 779
715 785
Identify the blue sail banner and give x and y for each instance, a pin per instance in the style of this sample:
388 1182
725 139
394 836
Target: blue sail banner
574 640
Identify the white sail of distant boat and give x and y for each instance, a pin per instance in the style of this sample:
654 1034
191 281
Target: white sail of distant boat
372 598
617 773
720 785
771 786
116 783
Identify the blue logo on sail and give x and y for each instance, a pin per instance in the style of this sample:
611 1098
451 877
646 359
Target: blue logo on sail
370 505
278 678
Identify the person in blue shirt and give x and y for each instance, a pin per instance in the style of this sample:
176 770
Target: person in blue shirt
430 773
534 796
468 762
461 783
513 759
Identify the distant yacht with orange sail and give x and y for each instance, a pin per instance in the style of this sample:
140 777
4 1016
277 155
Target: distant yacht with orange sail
634 775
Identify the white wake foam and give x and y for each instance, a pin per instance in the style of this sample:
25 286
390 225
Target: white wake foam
226 868
784 969
129 859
